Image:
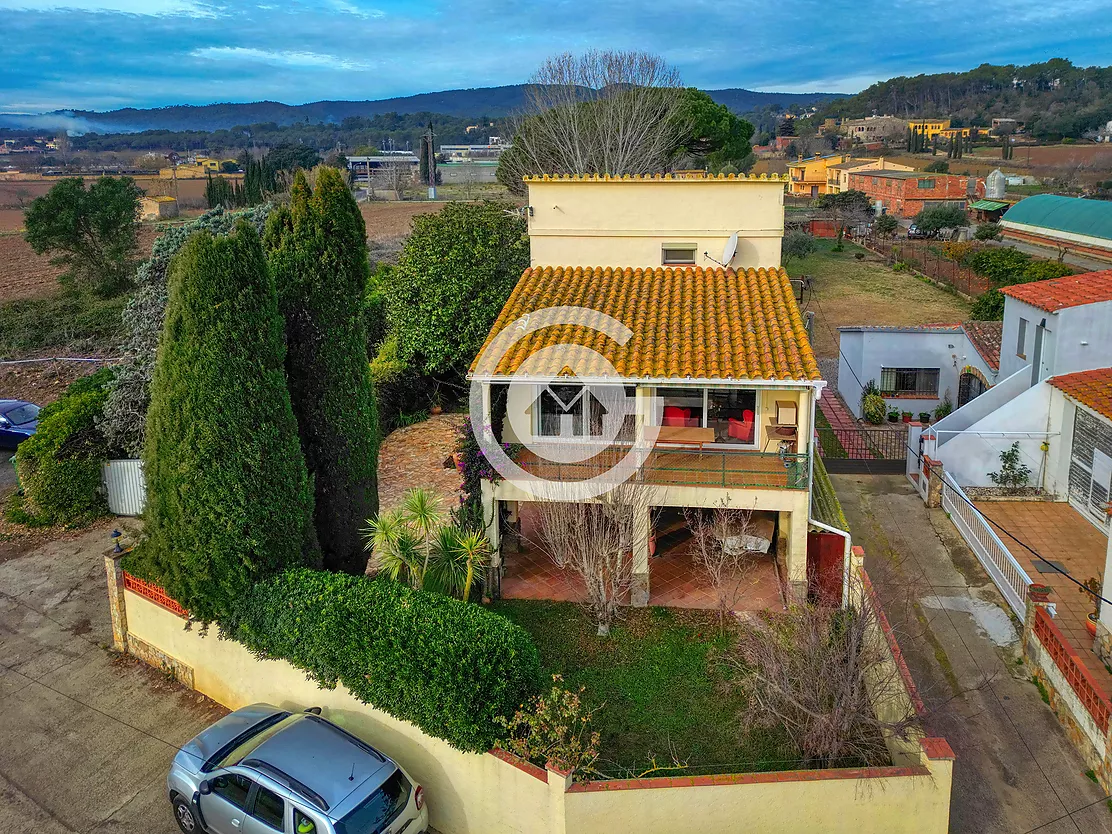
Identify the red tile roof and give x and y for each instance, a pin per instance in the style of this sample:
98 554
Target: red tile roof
1059 293
985 337
1091 388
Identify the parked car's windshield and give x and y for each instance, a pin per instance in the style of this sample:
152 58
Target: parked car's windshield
23 414
379 809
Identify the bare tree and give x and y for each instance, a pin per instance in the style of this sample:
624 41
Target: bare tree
826 675
595 539
719 539
601 112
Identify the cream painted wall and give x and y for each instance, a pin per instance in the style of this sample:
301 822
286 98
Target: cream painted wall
466 792
894 805
627 222
470 793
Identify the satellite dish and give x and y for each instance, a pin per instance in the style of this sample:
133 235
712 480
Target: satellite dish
730 250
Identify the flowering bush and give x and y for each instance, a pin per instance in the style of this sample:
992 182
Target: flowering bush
475 468
555 730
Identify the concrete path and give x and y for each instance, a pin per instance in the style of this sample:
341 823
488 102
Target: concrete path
1016 772
86 736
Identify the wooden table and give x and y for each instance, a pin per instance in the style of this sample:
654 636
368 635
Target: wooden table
688 436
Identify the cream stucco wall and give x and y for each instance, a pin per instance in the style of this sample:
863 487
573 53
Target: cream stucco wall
469 793
627 222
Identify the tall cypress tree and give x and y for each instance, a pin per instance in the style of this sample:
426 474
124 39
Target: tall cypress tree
318 255
228 496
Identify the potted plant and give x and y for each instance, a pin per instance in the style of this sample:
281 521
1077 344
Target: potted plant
925 418
1093 587
905 416
893 415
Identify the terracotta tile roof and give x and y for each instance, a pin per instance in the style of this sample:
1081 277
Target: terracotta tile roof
687 322
1060 293
985 337
656 178
1091 388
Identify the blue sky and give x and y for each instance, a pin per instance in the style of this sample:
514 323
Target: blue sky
105 54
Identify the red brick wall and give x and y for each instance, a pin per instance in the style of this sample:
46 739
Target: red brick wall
903 197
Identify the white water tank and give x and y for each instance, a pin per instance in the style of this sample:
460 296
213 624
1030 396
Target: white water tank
995 185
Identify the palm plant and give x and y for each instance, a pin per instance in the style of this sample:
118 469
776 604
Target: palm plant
416 543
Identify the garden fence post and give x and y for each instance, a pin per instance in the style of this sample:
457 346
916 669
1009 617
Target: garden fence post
117 605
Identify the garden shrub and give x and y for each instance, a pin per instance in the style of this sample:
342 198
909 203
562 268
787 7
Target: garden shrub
125 413
988 231
317 253
1006 267
229 501
450 667
873 408
59 465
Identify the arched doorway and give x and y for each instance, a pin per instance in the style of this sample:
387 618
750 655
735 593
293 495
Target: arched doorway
970 386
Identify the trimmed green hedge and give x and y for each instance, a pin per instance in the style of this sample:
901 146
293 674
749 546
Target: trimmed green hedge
59 465
450 667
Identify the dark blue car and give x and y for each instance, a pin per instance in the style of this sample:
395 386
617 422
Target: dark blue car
18 420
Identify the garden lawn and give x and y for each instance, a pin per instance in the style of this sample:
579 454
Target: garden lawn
867 292
659 681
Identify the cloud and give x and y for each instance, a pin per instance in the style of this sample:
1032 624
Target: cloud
147 53
304 60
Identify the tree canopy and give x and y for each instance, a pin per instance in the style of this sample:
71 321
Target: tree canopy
318 256
453 276
91 232
228 498
715 134
935 218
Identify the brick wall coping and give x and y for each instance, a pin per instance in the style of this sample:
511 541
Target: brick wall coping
747 778
520 764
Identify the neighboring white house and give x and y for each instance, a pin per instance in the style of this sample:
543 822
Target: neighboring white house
916 368
1051 331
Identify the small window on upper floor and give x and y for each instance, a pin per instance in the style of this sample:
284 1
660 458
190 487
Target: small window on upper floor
926 183
1021 341
677 255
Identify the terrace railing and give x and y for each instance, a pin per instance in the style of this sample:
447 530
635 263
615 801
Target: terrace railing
728 469
1065 657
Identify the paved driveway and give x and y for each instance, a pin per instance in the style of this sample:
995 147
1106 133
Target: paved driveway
86 736
1016 772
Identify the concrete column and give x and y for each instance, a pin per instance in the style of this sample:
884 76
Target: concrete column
934 482
796 552
490 516
1102 645
558 783
1038 596
117 605
639 595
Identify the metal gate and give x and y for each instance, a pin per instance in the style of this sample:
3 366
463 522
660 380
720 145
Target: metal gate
863 451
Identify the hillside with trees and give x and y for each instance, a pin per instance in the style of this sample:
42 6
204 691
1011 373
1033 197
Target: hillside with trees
1054 99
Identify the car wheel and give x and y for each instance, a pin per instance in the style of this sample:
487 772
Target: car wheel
185 817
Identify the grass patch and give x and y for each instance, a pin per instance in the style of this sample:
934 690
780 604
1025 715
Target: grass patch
848 291
72 318
662 684
1042 689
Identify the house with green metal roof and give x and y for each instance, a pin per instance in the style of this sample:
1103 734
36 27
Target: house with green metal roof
1083 227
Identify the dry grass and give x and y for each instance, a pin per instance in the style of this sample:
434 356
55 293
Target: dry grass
852 292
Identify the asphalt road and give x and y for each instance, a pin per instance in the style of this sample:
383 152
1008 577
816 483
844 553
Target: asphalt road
1016 772
86 736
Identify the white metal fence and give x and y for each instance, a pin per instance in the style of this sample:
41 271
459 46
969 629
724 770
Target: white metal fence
126 486
1006 572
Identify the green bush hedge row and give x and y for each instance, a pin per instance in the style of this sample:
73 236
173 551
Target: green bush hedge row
59 465
450 667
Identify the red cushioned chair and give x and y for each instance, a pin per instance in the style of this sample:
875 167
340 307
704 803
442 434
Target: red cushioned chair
742 429
675 416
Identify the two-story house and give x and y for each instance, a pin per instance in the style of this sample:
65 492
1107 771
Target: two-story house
666 294
808 178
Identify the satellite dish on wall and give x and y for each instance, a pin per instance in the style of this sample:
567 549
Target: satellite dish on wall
730 250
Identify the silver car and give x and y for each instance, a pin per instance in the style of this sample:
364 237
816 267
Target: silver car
262 769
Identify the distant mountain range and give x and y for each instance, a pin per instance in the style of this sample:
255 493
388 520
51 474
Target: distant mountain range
492 102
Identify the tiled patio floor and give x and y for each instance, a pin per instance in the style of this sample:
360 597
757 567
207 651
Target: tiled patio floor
1059 533
674 579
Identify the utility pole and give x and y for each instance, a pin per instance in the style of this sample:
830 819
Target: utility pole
432 162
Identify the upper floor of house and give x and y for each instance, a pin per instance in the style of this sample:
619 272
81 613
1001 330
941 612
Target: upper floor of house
1058 326
708 373
837 176
651 221
807 177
